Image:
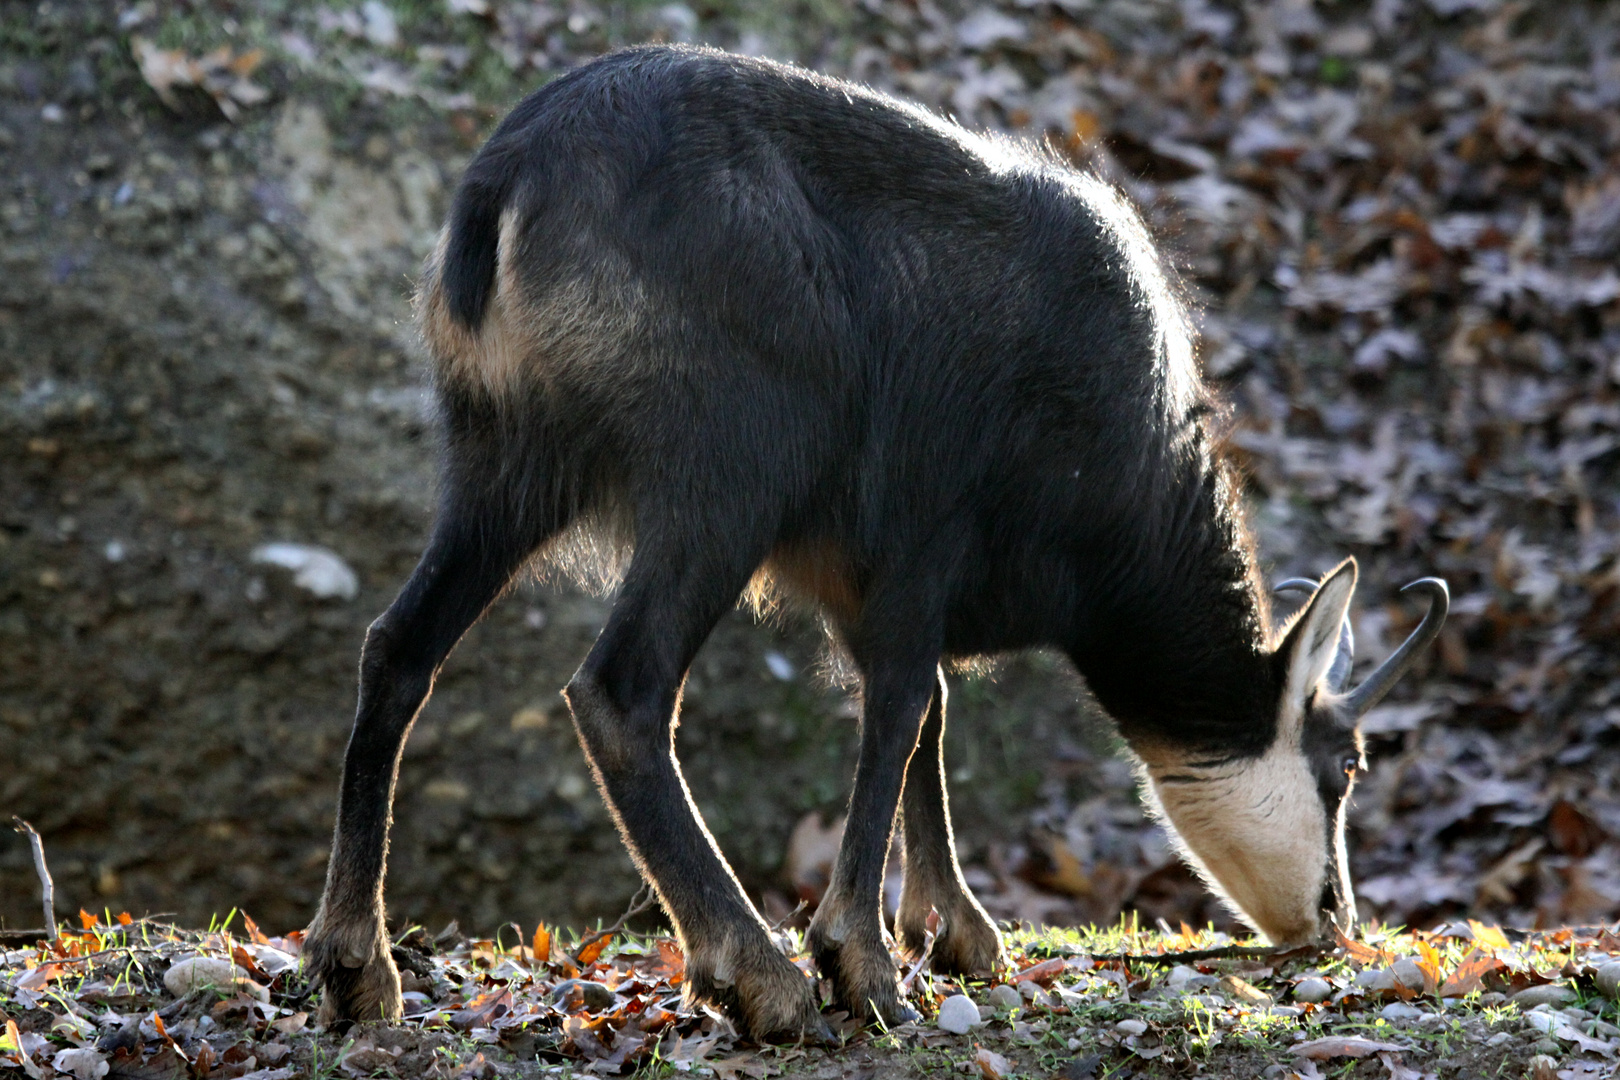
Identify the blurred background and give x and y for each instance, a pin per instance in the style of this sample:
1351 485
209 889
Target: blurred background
1399 220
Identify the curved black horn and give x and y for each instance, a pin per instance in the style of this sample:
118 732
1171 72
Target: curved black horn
1338 675
1376 685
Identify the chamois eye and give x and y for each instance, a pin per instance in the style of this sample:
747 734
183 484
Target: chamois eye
1351 764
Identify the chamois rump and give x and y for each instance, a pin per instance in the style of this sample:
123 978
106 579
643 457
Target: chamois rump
780 331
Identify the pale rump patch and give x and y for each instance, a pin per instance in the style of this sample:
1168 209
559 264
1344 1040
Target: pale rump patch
573 327
1255 831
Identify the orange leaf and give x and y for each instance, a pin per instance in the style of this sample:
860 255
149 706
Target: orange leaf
1429 963
87 920
588 954
542 944
1489 937
253 930
1469 974
125 918
1362 954
1042 973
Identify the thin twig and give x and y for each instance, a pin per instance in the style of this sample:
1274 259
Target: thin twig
1228 952
47 889
789 917
644 898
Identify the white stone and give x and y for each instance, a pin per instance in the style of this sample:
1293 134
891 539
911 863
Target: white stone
1399 1010
1608 979
317 570
1131 1027
958 1015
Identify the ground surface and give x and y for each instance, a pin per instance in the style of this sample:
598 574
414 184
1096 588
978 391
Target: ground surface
1400 221
1467 1001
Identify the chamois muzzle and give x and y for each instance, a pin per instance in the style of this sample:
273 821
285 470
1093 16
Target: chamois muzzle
1372 690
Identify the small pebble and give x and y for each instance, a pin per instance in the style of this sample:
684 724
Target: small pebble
1075 1044
1131 1027
1400 1010
1500 1038
1551 994
1546 1049
1313 991
1286 1011
1030 991
958 1015
1005 997
1608 979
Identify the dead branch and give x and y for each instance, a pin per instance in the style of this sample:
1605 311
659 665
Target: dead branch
46 888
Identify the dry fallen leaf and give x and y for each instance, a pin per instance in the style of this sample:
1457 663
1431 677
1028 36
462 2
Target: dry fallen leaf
1335 1046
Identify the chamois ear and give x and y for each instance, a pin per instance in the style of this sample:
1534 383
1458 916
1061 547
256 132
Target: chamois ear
1313 643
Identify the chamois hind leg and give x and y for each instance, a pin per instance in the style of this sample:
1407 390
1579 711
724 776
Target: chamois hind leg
847 935
480 540
966 942
624 700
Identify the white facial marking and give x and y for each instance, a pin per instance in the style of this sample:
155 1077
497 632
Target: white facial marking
1255 831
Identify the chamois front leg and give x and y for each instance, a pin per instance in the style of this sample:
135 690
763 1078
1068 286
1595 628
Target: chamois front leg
847 936
966 942
346 949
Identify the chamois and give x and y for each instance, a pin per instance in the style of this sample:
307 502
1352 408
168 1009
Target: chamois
774 331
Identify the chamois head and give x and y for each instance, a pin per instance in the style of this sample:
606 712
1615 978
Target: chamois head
1266 831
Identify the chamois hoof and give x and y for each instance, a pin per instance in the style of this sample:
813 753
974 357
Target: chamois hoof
760 990
865 981
967 944
358 984
967 941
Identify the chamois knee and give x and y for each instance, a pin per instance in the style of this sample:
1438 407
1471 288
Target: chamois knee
616 735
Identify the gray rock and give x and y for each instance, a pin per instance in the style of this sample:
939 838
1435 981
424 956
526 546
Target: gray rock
1400 1010
958 1015
1005 997
1554 994
1608 979
1313 991
1499 1039
1131 1027
1375 979
1031 991
1178 975
1407 973
594 996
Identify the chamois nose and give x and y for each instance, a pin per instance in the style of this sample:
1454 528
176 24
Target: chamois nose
1337 911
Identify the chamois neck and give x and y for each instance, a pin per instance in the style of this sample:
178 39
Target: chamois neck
1182 657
